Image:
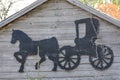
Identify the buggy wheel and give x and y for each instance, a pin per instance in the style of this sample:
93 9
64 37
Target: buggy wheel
104 59
68 58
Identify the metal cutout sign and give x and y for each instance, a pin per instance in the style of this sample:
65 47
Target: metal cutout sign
66 57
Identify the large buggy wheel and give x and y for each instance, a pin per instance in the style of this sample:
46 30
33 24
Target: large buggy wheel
68 58
104 58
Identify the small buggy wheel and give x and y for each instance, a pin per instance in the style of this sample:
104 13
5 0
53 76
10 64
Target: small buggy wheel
68 58
104 58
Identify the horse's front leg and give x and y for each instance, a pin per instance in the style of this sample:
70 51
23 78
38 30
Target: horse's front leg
24 56
16 55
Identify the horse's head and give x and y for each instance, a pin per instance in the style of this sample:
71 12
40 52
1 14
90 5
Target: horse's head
14 36
18 35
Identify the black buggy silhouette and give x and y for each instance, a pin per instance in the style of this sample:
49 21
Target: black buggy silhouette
100 56
67 57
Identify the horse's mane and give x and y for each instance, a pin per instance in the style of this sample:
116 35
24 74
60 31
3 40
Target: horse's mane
23 35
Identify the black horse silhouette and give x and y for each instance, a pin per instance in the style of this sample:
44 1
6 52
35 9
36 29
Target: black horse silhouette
28 47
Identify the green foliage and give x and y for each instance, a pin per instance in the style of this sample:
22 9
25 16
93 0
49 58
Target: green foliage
39 76
31 78
93 2
109 7
89 2
117 2
4 8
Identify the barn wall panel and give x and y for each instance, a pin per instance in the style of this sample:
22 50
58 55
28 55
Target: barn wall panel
56 19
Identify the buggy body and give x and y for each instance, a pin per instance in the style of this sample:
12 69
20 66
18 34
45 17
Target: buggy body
100 56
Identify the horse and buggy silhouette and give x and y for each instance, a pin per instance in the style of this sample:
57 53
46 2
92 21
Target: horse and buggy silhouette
67 57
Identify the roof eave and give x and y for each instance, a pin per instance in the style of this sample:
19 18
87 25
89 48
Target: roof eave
95 12
21 12
74 2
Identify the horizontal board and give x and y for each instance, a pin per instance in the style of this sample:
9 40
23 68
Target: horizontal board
11 61
61 74
59 5
56 19
56 12
63 34
7 51
48 65
73 78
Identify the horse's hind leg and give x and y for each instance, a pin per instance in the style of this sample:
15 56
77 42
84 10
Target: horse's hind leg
41 60
55 61
55 64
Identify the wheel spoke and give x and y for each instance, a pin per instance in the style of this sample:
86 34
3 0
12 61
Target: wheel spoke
67 59
95 60
63 53
105 61
74 58
65 63
69 64
101 64
61 57
62 61
72 61
107 54
98 63
107 58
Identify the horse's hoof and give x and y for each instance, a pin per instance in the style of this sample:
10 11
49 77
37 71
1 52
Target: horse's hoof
37 66
54 69
21 71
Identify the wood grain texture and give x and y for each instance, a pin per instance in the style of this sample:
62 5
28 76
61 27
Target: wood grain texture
56 19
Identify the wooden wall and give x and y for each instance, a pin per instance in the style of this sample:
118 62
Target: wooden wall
56 19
